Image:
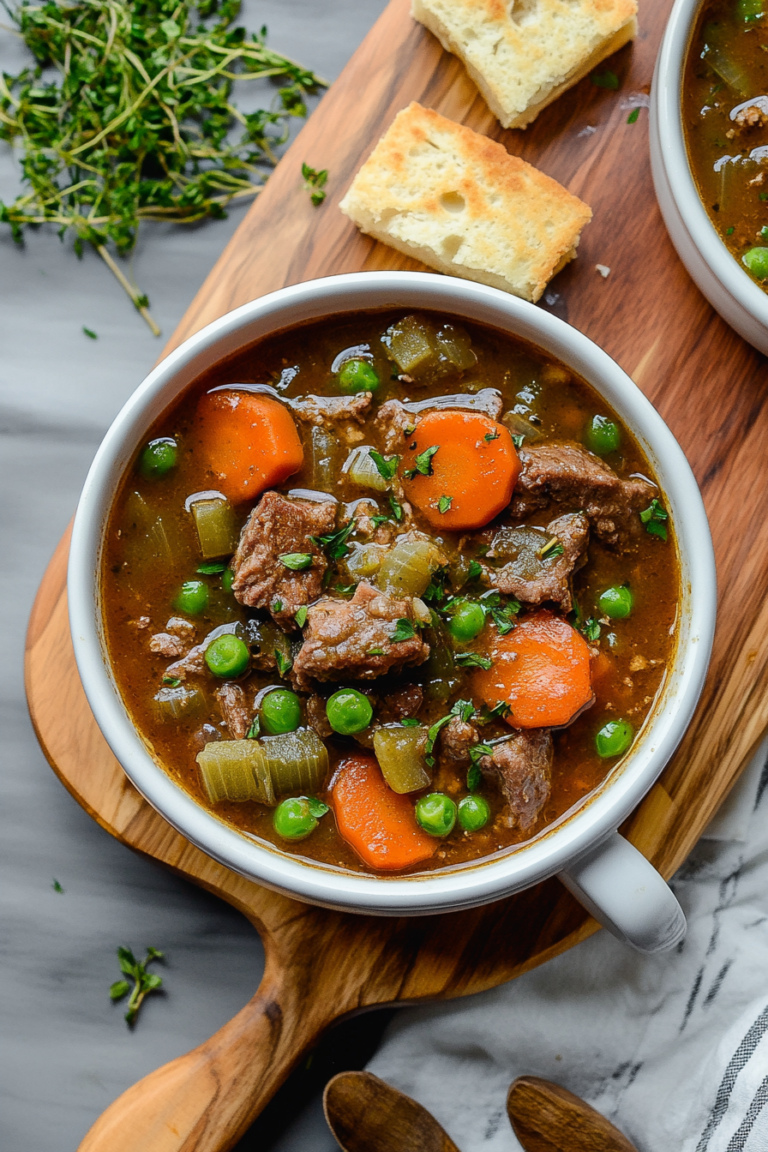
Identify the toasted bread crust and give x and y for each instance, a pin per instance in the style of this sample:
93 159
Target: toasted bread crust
462 204
524 55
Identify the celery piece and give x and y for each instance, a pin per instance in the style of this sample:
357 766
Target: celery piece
412 344
216 526
178 703
297 762
400 753
236 770
361 469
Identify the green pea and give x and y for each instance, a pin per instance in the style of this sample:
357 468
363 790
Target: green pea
466 622
158 457
227 656
348 711
436 813
192 598
293 819
227 577
614 738
756 260
280 712
358 376
616 602
749 9
474 813
602 435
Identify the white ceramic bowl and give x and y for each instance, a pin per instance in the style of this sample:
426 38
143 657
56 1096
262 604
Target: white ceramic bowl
610 876
718 274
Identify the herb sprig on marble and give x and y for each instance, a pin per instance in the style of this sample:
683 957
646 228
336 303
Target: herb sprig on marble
144 982
139 124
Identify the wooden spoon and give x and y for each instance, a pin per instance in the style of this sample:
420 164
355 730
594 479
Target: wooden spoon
548 1118
366 1114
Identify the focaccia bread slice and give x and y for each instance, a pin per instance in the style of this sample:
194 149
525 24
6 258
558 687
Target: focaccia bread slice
523 53
460 203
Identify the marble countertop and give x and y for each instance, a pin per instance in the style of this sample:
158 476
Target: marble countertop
66 1050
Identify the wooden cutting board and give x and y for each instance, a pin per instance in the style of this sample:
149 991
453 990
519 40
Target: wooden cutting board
706 382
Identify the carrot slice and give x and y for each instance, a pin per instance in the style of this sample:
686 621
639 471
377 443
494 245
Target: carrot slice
541 669
471 474
375 821
249 442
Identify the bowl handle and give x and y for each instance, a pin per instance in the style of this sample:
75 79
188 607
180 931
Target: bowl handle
621 889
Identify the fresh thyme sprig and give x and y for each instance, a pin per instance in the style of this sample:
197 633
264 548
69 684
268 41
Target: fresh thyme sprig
138 123
143 981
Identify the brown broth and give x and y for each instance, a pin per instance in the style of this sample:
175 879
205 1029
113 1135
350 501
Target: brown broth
729 40
137 584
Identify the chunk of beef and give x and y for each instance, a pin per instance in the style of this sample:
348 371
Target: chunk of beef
352 638
523 767
561 472
276 527
533 578
317 717
175 641
363 512
395 424
331 411
163 644
402 704
456 739
234 710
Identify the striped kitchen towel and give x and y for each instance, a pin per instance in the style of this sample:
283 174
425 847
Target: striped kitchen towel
673 1049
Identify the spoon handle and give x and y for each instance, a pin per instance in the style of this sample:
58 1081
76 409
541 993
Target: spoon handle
207 1099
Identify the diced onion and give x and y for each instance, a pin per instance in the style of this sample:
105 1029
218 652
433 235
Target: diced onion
520 426
360 469
178 703
456 345
323 449
236 770
400 753
407 568
411 344
297 762
216 526
365 561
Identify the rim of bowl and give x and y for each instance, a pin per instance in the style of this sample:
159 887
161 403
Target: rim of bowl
667 96
487 879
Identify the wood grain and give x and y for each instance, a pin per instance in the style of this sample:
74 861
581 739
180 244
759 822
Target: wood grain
366 1114
548 1118
706 382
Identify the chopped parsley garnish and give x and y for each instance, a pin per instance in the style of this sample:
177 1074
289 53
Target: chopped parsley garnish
335 543
422 463
404 630
491 436
444 503
551 549
475 775
475 570
284 663
143 981
410 722
387 468
277 605
436 589
89 332
605 79
503 615
499 711
301 616
296 561
171 681
590 629
632 118
254 729
58 888
375 652
518 439
377 520
397 510
655 519
316 807
473 660
211 568
730 231
345 589
314 183
464 709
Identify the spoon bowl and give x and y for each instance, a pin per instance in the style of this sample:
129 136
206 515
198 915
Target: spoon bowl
366 1114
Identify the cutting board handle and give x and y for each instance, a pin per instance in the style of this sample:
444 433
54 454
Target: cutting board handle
207 1099
625 893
